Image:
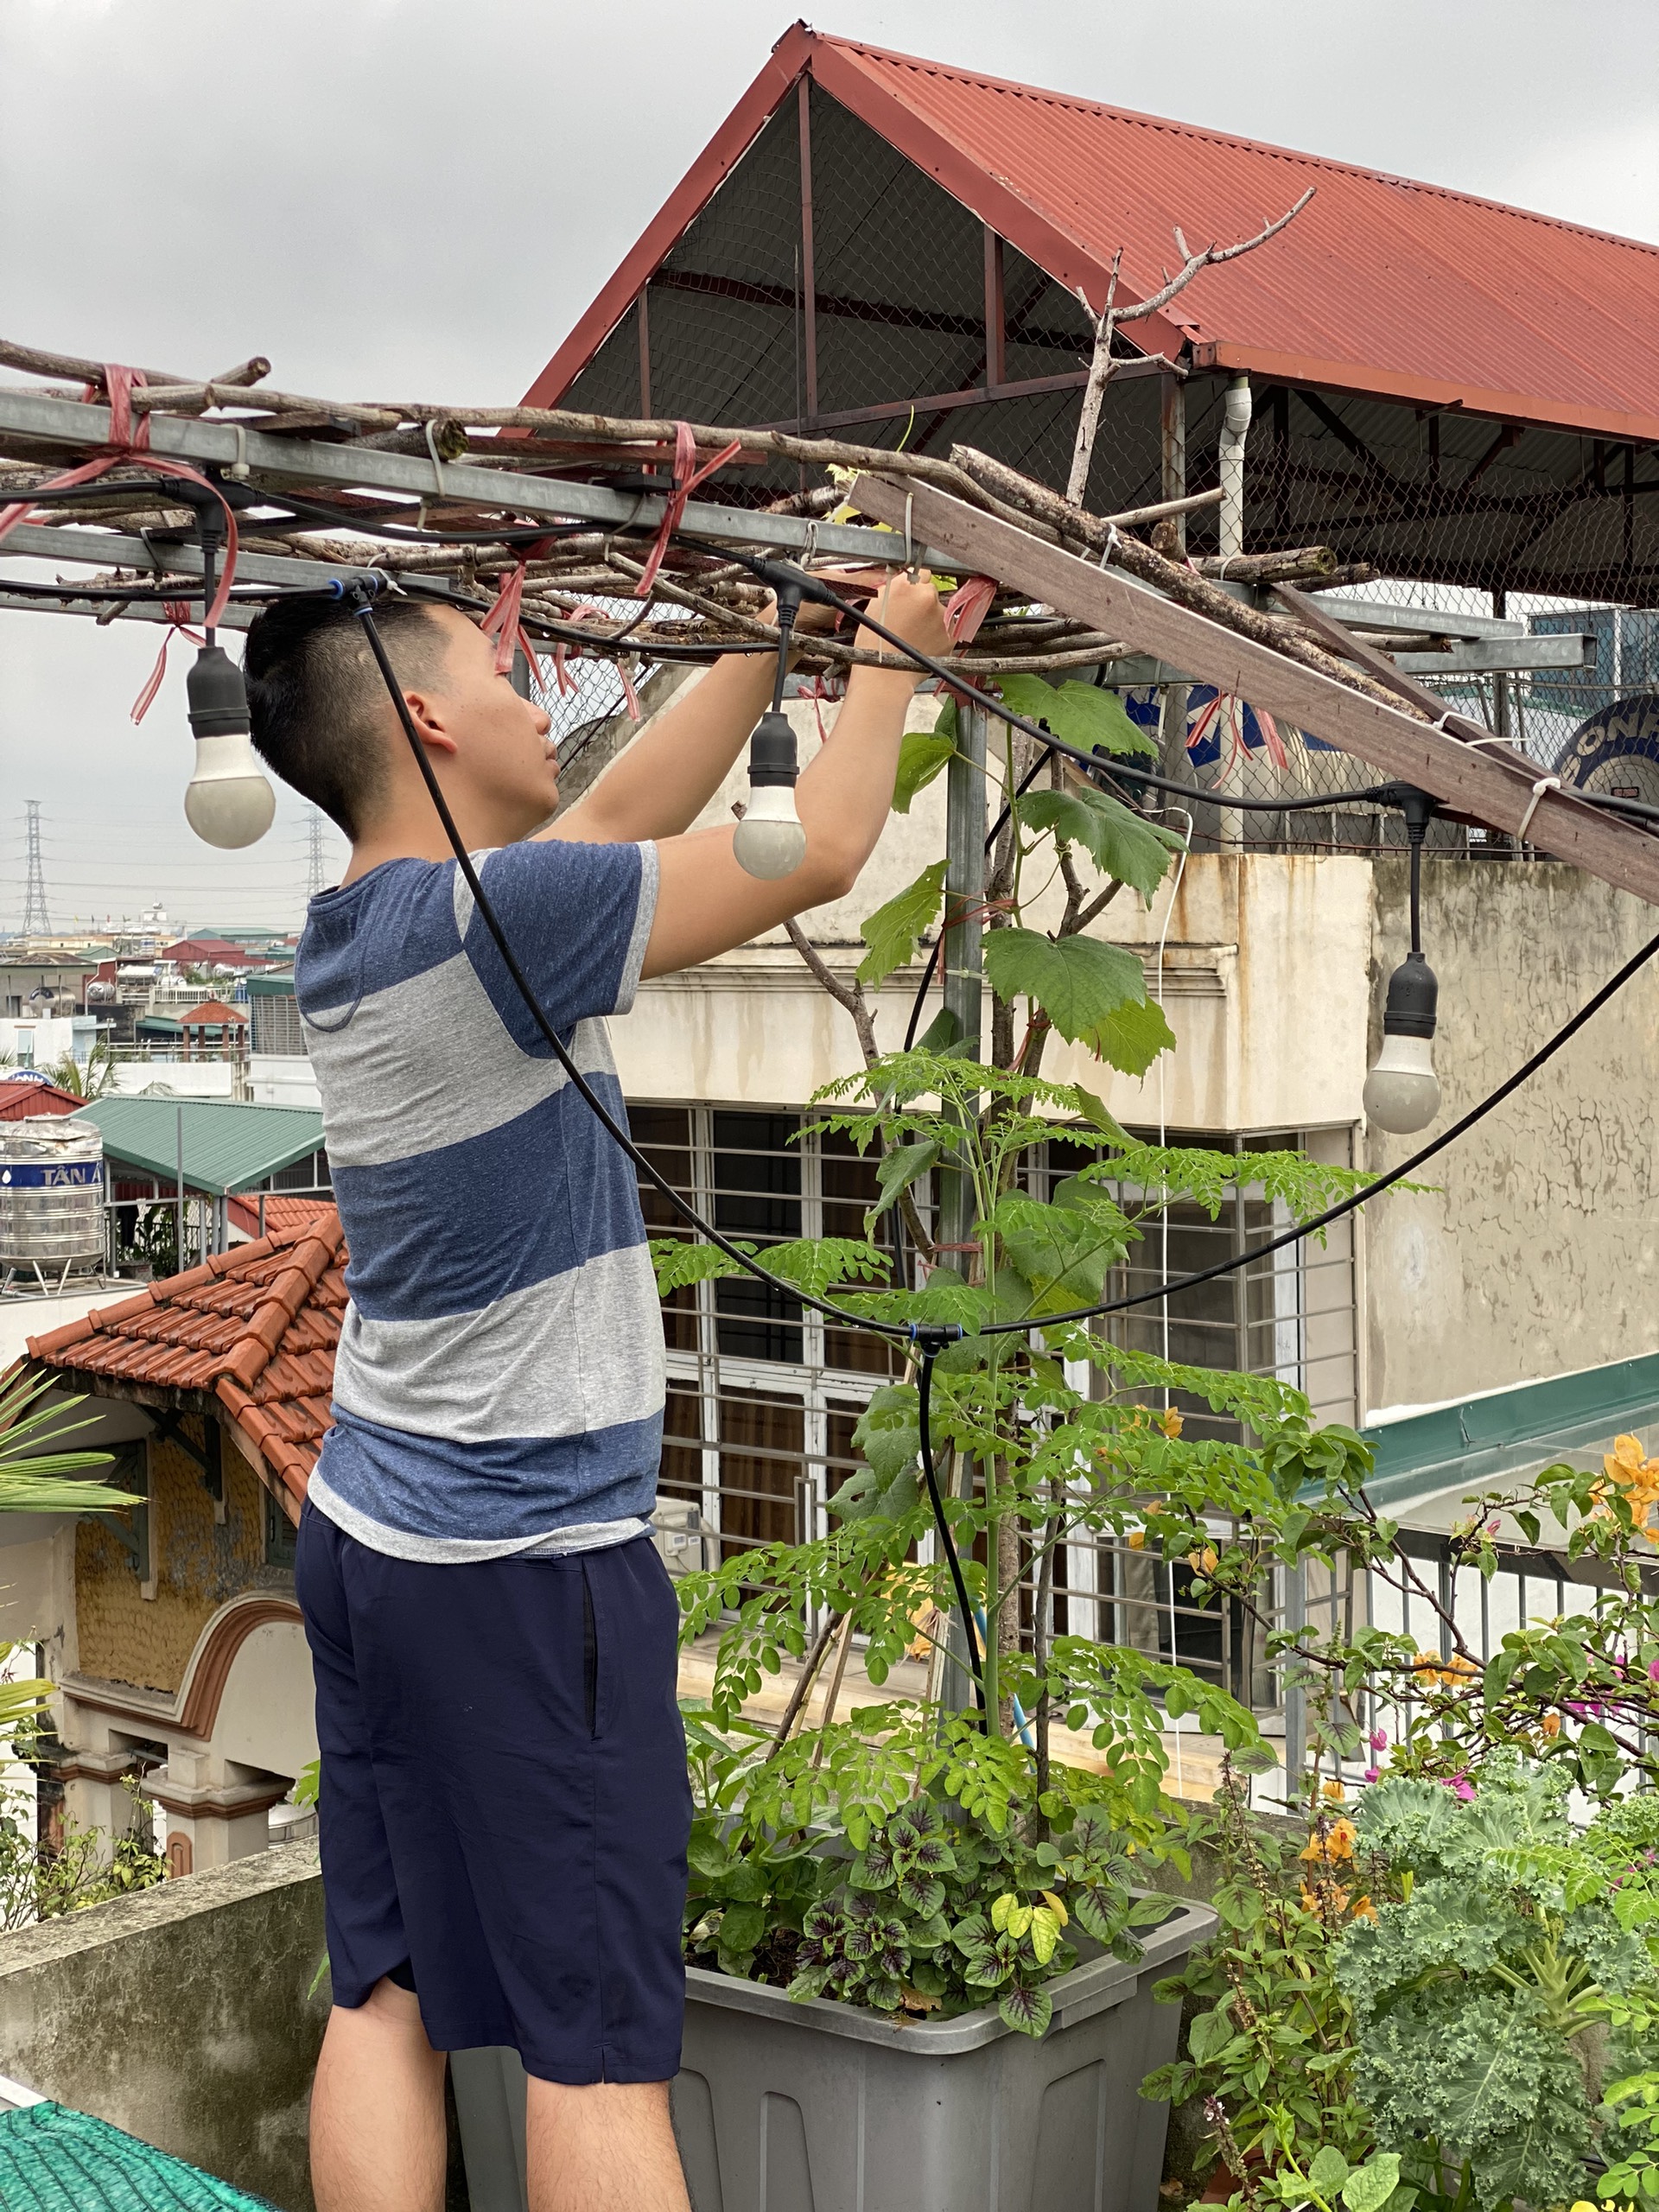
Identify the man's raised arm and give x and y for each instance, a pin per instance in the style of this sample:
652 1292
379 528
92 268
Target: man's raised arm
706 904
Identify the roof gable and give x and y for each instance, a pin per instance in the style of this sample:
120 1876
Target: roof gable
256 1328
1381 285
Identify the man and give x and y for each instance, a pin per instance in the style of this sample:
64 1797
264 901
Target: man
504 1806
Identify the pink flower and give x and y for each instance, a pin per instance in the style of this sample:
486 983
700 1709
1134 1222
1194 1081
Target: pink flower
1379 1740
1464 1788
1373 1773
1653 1670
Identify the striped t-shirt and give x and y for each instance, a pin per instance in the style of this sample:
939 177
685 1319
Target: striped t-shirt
499 1379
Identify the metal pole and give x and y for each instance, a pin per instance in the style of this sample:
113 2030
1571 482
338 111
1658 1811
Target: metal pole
962 964
177 1202
963 959
1295 1696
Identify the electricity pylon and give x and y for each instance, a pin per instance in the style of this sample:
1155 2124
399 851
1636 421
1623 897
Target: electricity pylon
36 922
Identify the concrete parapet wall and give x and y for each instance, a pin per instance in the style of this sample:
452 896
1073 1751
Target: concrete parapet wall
183 2015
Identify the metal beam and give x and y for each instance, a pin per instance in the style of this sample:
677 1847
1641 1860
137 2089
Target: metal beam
115 549
1364 614
352 468
1506 793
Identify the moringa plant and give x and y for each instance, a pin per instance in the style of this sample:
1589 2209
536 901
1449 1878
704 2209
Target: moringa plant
1050 1433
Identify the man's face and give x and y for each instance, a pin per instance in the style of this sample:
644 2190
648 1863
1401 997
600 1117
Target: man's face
504 754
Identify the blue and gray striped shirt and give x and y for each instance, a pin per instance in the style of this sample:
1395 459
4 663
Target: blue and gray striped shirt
499 1382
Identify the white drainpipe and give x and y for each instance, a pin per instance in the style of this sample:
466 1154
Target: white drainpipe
1236 424
1235 428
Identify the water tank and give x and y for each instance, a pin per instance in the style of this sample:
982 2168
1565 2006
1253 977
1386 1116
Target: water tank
51 1193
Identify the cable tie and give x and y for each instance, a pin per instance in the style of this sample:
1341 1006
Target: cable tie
809 552
1544 784
910 545
437 459
1111 546
239 467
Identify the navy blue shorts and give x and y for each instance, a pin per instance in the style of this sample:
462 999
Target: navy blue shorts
504 1805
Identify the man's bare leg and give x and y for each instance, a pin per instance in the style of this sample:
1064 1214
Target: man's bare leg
608 2147
377 2139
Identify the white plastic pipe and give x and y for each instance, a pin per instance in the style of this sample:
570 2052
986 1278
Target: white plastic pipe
1235 425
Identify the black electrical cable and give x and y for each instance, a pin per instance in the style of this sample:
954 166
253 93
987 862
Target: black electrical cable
909 1330
924 1401
814 588
566 1059
929 1338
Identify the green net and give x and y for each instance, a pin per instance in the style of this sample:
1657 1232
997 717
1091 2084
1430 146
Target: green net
55 2160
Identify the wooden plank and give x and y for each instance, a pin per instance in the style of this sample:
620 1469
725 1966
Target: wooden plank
1488 790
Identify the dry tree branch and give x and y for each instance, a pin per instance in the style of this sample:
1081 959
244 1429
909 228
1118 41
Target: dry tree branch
1105 324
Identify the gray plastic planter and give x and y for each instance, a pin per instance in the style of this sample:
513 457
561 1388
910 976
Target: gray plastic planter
822 2107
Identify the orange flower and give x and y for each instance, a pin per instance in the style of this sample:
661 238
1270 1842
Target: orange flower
1170 1423
1137 1539
1363 1909
1325 1897
1551 1724
1334 1791
1337 1842
1204 1561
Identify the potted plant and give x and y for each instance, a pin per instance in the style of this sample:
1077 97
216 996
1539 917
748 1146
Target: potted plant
921 1964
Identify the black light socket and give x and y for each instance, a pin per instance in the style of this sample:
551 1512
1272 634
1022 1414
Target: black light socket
1413 1001
218 699
771 752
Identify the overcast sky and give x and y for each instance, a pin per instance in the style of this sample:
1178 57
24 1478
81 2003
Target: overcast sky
417 198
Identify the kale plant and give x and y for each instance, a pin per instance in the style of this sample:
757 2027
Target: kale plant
1475 1991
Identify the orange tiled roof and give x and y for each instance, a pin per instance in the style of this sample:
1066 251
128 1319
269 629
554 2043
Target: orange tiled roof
280 1211
257 1328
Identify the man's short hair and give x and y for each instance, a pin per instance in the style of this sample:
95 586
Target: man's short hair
317 701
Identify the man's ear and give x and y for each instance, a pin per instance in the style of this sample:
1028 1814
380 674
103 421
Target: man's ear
427 712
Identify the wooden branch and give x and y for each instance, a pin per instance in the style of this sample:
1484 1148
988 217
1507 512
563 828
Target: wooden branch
1495 791
1302 566
1106 322
35 363
848 996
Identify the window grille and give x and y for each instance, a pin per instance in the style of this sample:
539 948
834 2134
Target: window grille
276 1025
763 1396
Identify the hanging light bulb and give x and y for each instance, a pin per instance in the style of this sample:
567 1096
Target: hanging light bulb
769 840
229 800
1402 1093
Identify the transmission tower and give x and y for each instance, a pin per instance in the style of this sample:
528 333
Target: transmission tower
317 865
36 922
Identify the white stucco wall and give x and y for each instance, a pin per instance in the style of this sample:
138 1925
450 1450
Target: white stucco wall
1537 1250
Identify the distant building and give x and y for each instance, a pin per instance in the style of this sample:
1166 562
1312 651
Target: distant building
172 1631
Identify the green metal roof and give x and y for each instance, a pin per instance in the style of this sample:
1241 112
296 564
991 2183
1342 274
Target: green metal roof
1483 1440
270 987
226 1146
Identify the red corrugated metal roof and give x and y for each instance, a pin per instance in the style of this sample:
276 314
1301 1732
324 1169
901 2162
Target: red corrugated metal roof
19 1099
1381 285
258 1327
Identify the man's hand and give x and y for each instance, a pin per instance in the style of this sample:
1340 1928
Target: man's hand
909 605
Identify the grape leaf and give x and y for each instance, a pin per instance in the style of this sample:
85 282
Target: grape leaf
1131 1037
1118 841
1077 980
1078 713
921 756
892 931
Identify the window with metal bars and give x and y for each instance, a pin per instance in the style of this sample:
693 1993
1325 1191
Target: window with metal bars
763 1396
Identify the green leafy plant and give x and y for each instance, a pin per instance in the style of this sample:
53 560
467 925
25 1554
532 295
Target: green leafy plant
1478 1986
